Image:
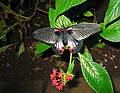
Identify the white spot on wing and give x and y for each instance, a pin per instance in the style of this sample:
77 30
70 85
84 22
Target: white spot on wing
59 46
72 45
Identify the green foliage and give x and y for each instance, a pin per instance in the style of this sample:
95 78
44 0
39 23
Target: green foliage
8 23
64 5
40 48
63 21
100 45
112 17
60 7
112 32
95 75
88 13
113 11
88 55
71 65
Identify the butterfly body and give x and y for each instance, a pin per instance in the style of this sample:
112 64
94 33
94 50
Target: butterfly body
70 38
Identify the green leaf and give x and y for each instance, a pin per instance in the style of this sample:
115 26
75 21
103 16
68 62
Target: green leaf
88 55
71 65
95 75
112 32
41 47
113 11
2 34
63 21
99 45
3 49
21 49
60 22
64 5
88 13
52 16
61 6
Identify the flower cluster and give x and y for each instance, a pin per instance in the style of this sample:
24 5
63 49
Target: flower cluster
59 78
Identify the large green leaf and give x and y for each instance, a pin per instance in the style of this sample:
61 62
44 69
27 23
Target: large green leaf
113 11
88 55
52 16
95 75
112 32
41 47
61 6
63 21
64 5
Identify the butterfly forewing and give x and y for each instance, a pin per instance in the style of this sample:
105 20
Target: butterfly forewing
82 31
46 35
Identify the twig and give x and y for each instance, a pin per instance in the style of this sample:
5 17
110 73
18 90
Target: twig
11 27
12 12
42 10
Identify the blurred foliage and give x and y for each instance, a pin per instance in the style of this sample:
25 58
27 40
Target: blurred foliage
3 49
11 21
15 23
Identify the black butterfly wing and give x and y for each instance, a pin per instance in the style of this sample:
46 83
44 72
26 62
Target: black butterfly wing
58 47
82 31
73 44
46 35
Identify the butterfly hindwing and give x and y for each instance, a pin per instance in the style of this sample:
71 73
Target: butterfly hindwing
58 47
46 35
73 45
82 31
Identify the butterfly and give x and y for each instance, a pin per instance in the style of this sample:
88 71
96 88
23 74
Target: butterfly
70 38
